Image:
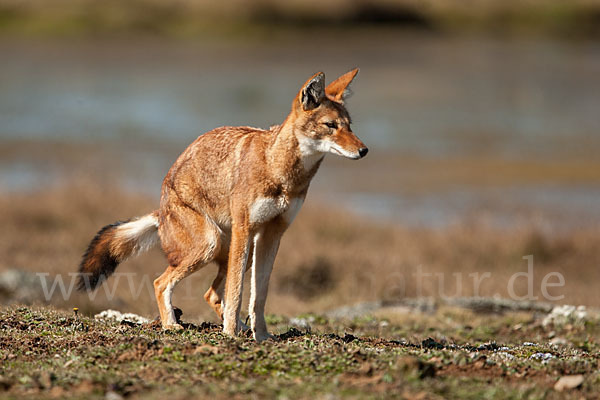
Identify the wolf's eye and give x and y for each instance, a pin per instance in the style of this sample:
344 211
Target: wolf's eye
331 124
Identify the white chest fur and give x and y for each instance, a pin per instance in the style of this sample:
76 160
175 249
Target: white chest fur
266 208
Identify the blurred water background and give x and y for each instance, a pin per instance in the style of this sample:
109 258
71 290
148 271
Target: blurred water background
467 117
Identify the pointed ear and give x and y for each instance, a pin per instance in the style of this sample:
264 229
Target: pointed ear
313 92
336 90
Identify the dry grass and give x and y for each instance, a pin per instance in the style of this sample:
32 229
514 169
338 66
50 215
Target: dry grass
327 259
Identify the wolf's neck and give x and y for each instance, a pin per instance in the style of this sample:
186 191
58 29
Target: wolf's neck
308 154
291 160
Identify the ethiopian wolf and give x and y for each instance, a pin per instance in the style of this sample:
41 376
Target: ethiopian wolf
229 198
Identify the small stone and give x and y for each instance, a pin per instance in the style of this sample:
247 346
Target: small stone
118 317
301 323
558 341
110 395
568 382
566 315
543 357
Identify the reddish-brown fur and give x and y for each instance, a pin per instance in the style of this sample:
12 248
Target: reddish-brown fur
233 192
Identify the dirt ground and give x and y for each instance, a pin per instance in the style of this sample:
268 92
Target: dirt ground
450 353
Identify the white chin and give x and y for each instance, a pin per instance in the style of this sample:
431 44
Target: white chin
345 154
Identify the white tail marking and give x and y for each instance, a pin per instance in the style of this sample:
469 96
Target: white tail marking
142 230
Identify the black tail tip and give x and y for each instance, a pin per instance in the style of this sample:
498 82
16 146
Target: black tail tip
98 263
87 281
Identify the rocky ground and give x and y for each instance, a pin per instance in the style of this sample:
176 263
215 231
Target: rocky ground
446 352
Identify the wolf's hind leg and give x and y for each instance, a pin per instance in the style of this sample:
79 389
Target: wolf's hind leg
163 290
190 242
214 294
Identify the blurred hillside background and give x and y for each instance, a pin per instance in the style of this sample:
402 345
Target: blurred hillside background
481 118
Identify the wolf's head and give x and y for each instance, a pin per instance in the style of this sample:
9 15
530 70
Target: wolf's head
321 121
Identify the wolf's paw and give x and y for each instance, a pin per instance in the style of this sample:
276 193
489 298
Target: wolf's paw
262 336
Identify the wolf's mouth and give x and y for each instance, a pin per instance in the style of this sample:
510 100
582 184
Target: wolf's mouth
344 154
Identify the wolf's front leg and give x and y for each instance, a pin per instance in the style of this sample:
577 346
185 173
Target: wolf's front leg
238 258
266 244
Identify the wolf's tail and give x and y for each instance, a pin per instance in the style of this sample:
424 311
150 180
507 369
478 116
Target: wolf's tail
112 245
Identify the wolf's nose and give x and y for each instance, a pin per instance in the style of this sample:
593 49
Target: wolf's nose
363 152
